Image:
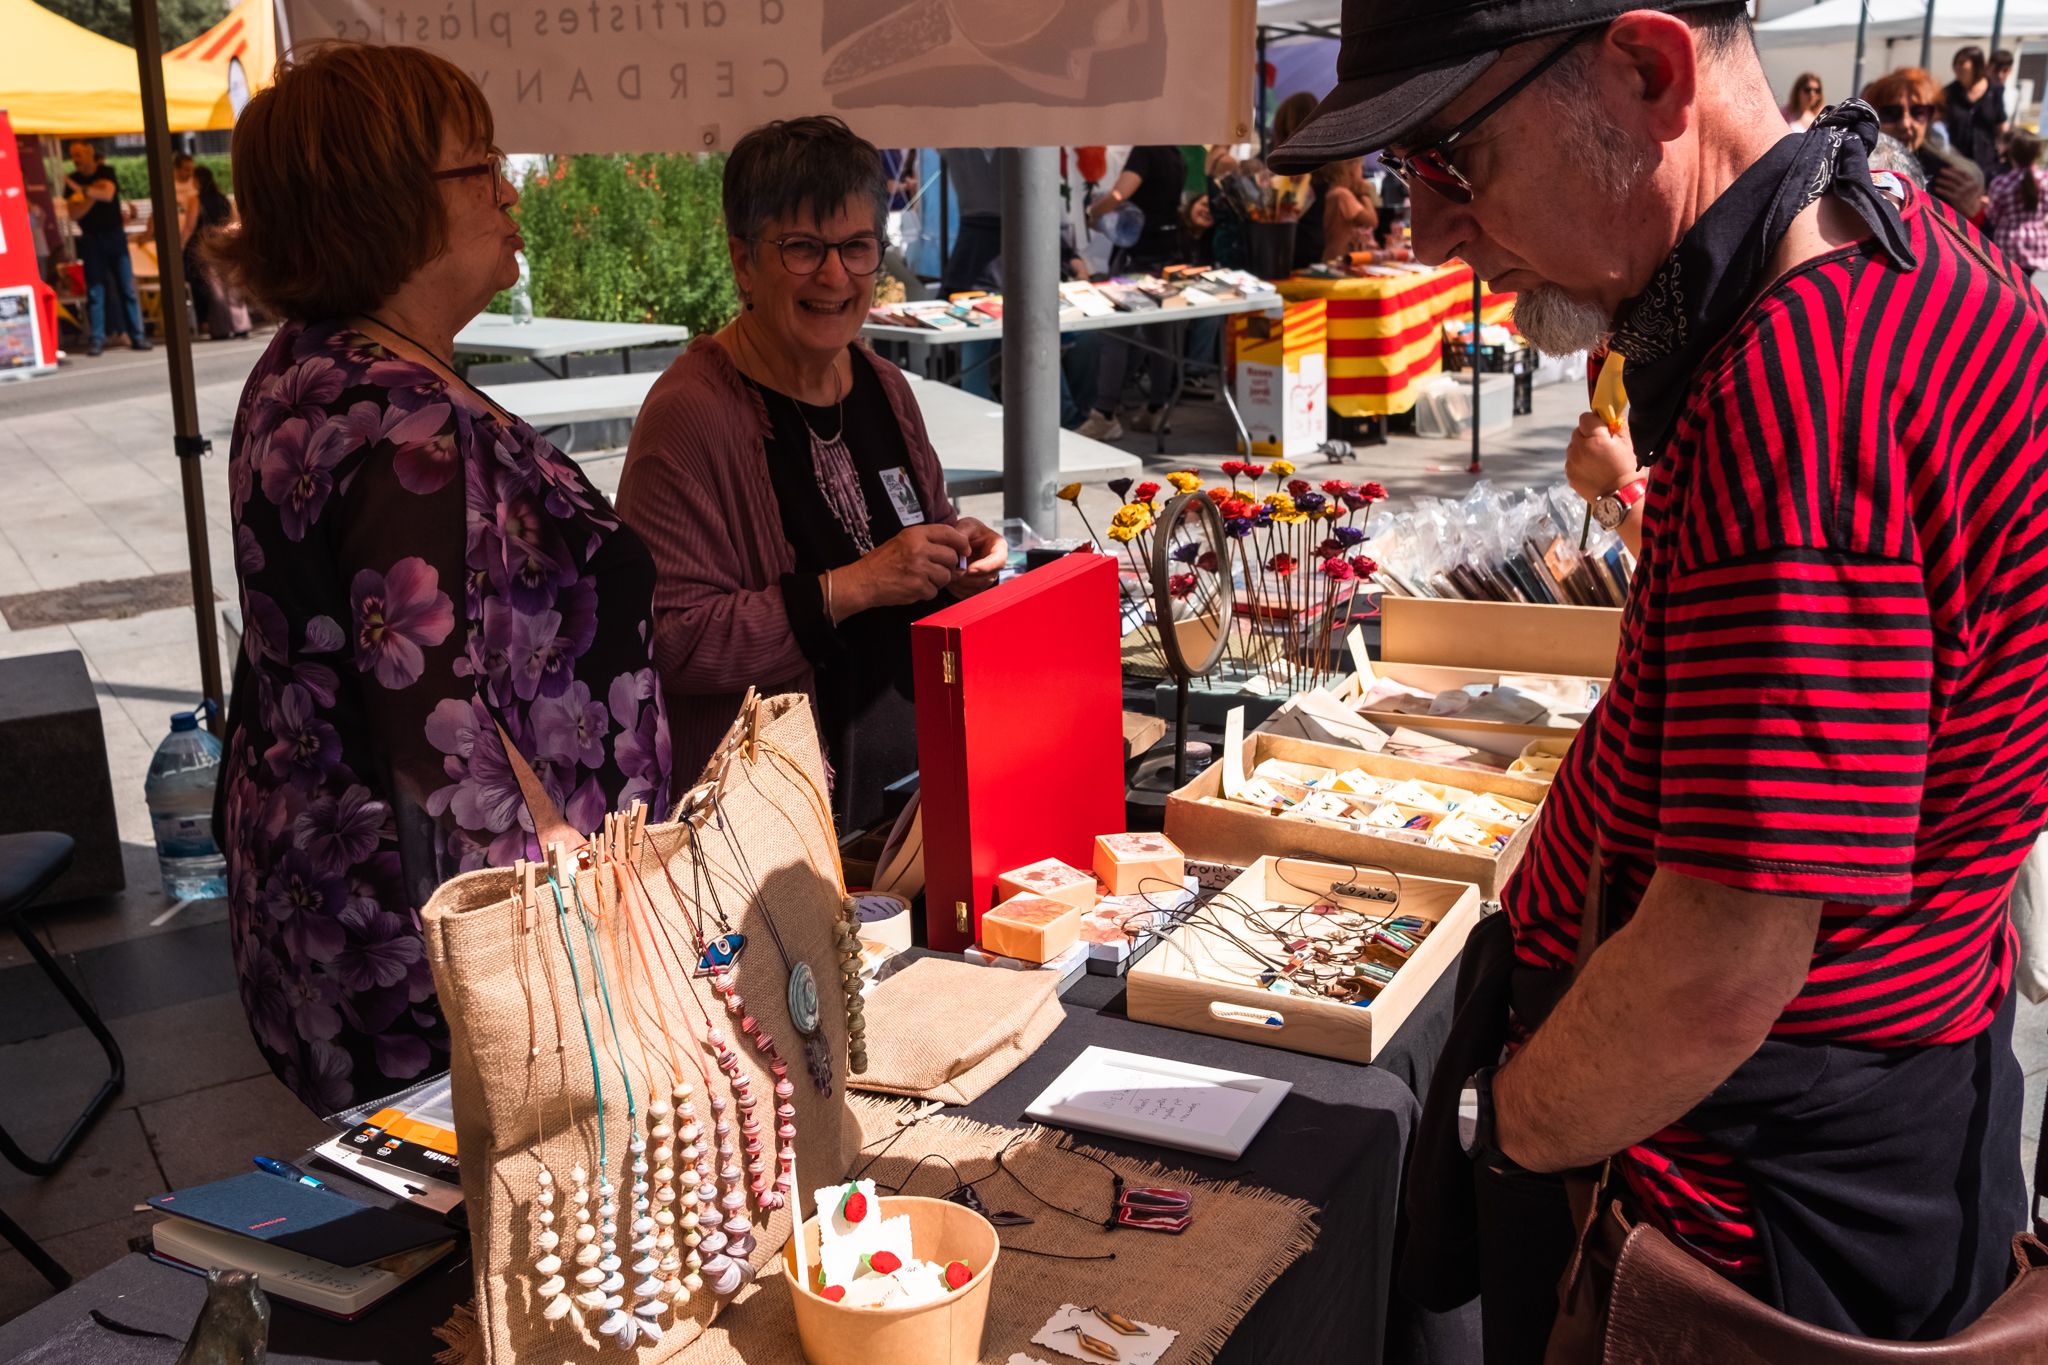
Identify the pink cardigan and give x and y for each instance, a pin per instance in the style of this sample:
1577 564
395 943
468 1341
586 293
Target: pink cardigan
696 488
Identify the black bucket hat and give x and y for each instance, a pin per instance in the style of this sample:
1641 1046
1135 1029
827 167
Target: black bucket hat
1403 60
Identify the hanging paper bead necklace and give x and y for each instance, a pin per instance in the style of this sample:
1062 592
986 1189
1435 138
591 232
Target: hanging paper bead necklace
804 1014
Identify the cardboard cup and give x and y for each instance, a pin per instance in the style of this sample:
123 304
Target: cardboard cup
944 1332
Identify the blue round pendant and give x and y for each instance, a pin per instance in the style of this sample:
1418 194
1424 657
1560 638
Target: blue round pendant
803 999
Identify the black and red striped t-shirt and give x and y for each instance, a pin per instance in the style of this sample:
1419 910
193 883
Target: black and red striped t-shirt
1831 683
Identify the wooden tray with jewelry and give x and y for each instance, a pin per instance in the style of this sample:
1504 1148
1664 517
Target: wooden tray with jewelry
1311 956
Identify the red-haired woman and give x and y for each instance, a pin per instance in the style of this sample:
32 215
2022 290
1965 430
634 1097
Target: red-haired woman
420 573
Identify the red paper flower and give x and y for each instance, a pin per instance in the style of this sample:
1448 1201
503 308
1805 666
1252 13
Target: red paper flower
1181 585
1145 491
1282 564
1336 488
1299 486
1237 507
1220 495
957 1274
1255 471
1233 468
1373 492
1365 566
1330 547
1207 563
1337 571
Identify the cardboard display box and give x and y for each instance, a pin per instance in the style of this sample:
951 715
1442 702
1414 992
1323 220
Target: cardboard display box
1242 835
1500 637
1199 981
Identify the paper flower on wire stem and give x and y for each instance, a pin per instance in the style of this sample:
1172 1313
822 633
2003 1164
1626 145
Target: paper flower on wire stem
1299 486
1123 535
1255 472
1186 552
1349 537
1373 492
1220 495
1181 585
1336 488
1145 492
1281 468
1122 489
1237 528
1207 562
1184 480
1330 546
1281 564
1354 501
1365 566
1135 515
1310 504
1337 570
1071 493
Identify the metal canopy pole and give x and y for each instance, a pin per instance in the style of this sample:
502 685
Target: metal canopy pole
1927 36
1477 290
1998 29
1259 109
1031 336
1862 35
187 442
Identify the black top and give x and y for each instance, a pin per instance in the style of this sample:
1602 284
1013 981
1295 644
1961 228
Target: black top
1162 174
1308 234
863 664
100 216
1973 124
214 209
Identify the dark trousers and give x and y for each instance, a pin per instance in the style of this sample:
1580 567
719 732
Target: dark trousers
1886 1183
110 283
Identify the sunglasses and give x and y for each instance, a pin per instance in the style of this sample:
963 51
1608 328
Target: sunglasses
1431 165
1896 113
493 166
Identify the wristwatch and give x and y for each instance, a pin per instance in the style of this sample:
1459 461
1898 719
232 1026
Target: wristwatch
1475 1119
1611 509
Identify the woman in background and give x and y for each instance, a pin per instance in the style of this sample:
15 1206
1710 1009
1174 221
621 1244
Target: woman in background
2018 209
1351 209
1806 103
225 314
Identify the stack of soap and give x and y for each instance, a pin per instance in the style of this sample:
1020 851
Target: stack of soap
1031 928
1051 879
1130 863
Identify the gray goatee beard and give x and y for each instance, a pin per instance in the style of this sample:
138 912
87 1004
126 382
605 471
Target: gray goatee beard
1558 324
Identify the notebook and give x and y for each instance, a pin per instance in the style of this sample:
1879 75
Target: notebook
340 1291
313 1222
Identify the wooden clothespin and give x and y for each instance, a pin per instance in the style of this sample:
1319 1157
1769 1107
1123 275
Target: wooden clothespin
523 880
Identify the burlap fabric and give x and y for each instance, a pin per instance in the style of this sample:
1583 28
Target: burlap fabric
1201 1283
522 1071
946 1030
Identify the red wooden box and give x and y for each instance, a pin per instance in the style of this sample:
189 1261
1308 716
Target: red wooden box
1019 734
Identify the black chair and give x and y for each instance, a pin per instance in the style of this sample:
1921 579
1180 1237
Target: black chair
29 863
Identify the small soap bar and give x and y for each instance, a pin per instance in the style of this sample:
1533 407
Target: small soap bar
1051 879
1032 928
1128 863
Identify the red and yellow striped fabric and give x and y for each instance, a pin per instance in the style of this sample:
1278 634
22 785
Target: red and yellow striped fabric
1386 333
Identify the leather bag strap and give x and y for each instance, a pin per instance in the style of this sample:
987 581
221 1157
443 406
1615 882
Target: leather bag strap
549 826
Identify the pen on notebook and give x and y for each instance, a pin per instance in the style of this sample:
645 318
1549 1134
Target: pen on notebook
285 1169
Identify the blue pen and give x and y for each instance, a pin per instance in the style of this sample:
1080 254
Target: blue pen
287 1170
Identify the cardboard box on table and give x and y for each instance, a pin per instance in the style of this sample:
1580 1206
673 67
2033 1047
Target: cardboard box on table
1242 835
1201 982
1019 734
1279 381
1500 637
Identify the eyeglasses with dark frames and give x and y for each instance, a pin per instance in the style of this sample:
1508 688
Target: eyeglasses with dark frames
1431 165
494 167
1896 113
802 254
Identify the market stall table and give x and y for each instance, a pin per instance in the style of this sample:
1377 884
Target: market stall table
966 431
1222 308
1339 1140
1386 332
542 340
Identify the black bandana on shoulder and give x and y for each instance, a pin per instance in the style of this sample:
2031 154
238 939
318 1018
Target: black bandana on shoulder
1700 292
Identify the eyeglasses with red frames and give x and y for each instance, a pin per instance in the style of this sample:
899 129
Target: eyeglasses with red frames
1431 165
494 167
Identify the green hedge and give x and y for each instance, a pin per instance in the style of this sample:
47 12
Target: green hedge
134 174
628 239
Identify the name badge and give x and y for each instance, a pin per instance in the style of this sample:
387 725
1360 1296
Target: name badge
902 495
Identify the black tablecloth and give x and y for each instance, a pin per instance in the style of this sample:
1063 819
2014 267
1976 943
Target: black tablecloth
1339 1140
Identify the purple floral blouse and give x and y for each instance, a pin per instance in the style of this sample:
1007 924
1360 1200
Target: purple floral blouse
412 567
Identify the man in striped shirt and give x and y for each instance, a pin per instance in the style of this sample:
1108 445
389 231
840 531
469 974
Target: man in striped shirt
1823 753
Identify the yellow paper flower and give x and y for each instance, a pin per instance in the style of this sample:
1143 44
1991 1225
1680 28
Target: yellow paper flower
1124 533
1290 517
1183 481
1282 467
1134 515
1332 510
1281 503
1071 493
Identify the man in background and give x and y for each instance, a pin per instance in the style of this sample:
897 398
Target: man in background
93 195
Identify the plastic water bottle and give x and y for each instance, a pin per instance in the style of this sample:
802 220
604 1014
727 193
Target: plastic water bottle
179 792
522 293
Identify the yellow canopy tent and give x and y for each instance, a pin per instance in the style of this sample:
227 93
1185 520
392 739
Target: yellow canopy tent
248 33
60 79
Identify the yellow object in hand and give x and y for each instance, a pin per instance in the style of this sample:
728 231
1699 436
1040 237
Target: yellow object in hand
1610 397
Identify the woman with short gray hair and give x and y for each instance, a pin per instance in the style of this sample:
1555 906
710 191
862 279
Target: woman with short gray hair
781 474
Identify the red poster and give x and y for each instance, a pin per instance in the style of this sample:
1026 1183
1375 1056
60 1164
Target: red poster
28 307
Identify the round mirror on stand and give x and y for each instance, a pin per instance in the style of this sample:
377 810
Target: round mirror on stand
1193 601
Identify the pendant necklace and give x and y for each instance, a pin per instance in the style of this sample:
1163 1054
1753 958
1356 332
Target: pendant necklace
837 478
552 1291
591 1296
803 985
